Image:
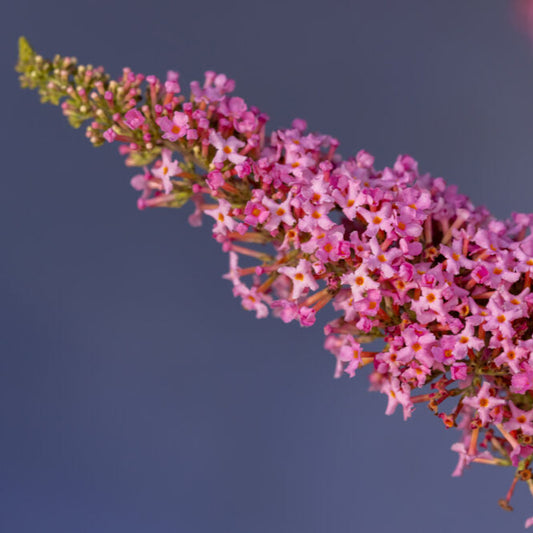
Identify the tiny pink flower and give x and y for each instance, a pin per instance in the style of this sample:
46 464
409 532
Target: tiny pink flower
279 213
350 353
176 128
227 149
141 182
307 316
522 420
382 260
398 394
464 458
466 339
455 258
256 213
172 85
459 371
522 382
417 373
224 221
166 170
511 356
484 402
330 247
251 300
286 310
445 351
378 220
215 179
418 344
347 200
406 226
134 119
301 276
480 274
317 216
359 281
110 135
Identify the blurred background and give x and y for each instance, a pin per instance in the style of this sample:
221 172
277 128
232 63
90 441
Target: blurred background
136 395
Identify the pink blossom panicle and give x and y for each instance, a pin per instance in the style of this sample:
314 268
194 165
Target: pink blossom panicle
400 255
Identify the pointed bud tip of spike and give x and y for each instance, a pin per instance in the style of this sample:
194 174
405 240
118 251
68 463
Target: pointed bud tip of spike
25 54
25 49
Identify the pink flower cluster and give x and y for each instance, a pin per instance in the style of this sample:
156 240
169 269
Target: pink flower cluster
400 256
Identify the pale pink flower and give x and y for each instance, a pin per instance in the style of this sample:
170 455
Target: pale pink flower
301 276
279 213
484 402
522 420
166 170
227 149
224 220
359 281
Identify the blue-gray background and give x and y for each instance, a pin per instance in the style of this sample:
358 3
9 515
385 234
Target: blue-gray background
135 393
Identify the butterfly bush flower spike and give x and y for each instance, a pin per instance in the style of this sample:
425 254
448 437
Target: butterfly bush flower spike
401 256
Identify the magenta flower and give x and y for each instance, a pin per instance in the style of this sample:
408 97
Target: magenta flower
134 119
176 128
109 135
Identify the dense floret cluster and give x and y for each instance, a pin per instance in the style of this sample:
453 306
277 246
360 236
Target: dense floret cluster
401 256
